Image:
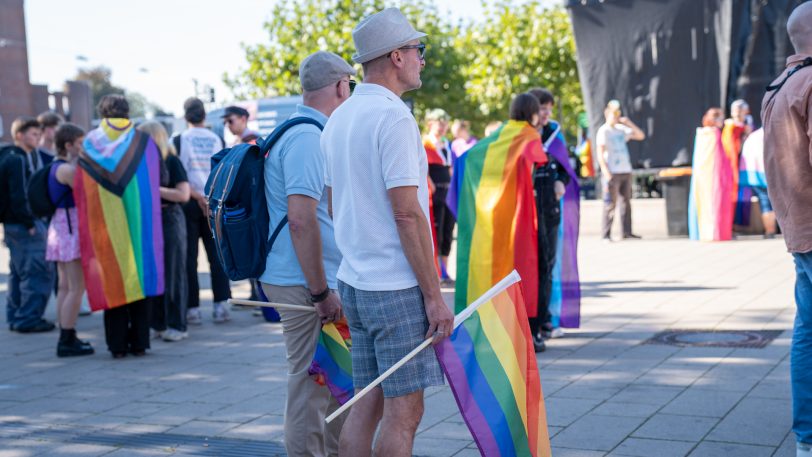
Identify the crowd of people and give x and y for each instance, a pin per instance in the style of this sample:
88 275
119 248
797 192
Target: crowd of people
46 252
365 197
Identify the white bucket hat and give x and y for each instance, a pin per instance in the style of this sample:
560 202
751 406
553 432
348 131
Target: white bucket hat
381 33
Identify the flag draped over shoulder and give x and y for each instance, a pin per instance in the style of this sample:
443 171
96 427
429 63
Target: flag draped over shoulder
118 203
565 296
332 364
710 204
491 367
492 196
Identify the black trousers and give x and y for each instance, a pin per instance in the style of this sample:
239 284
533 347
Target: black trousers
197 227
171 311
126 328
443 220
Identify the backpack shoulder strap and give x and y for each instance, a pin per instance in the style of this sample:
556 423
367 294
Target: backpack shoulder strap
267 144
776 87
176 143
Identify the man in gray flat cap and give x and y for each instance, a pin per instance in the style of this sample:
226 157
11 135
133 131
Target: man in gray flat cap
301 268
377 170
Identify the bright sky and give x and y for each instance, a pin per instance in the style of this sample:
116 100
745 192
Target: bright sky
155 47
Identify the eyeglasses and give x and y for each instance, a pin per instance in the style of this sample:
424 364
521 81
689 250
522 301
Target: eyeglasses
421 49
352 85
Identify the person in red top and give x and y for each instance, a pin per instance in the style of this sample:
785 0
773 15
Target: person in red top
438 151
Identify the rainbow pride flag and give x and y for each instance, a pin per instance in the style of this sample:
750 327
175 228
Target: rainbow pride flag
491 367
710 203
116 188
565 295
492 196
332 364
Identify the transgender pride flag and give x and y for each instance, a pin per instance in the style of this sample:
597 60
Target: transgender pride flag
491 366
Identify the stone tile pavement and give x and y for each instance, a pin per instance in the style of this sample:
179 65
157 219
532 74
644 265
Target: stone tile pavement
222 391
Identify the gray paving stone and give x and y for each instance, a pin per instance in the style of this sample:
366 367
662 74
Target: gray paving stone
565 452
564 411
641 447
439 447
714 449
593 432
703 402
268 427
641 393
746 424
678 428
203 428
616 408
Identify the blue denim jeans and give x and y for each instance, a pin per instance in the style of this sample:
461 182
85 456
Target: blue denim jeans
31 279
801 353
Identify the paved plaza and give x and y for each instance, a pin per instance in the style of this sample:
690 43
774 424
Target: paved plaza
222 391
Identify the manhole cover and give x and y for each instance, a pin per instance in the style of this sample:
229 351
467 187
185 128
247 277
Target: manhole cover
715 338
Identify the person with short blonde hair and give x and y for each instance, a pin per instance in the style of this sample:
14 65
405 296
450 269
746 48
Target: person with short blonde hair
168 319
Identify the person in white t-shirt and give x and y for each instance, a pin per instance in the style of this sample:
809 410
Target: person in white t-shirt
616 167
195 147
378 174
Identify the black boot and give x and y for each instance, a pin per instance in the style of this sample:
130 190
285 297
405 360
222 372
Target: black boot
538 343
69 345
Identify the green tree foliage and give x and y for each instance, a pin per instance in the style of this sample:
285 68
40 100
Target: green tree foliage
473 69
101 84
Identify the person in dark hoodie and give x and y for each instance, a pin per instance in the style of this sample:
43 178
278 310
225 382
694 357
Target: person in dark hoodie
31 277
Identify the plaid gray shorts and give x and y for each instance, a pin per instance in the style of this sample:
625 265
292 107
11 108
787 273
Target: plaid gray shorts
385 326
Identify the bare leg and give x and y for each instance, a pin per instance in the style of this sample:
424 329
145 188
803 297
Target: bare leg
71 272
359 428
768 219
61 292
401 416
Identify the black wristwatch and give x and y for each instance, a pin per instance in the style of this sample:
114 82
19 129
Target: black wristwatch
321 296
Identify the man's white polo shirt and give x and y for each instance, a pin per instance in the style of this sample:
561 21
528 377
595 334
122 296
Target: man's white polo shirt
372 144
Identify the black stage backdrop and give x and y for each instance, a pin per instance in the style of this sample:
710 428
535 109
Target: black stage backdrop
668 61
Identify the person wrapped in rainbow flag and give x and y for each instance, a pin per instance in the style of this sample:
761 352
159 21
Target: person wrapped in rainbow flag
558 206
710 202
492 197
118 202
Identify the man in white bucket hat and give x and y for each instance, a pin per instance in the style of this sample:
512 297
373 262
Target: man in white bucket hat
377 169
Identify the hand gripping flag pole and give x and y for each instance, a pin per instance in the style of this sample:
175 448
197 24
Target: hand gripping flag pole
510 279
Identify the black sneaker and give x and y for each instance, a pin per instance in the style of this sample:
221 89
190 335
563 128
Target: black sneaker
538 343
631 236
39 327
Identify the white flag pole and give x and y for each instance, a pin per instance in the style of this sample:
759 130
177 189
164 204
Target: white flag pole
236 301
508 280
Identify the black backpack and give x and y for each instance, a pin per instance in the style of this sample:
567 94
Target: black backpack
39 199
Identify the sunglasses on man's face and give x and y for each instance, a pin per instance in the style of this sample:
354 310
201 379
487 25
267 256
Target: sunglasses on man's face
351 83
421 49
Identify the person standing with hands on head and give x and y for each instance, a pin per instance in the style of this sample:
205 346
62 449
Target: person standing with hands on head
787 115
616 167
195 146
377 169
301 268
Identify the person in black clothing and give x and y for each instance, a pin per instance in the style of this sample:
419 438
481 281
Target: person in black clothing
549 182
31 277
438 151
169 314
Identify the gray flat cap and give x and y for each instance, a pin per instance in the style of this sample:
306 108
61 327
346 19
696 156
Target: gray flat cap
381 33
321 69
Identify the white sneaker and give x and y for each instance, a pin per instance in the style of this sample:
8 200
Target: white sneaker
557 333
804 450
193 317
220 313
174 335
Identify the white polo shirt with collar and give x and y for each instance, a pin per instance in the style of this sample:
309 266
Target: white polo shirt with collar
372 144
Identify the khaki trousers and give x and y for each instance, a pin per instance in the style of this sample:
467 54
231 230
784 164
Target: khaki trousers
306 433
